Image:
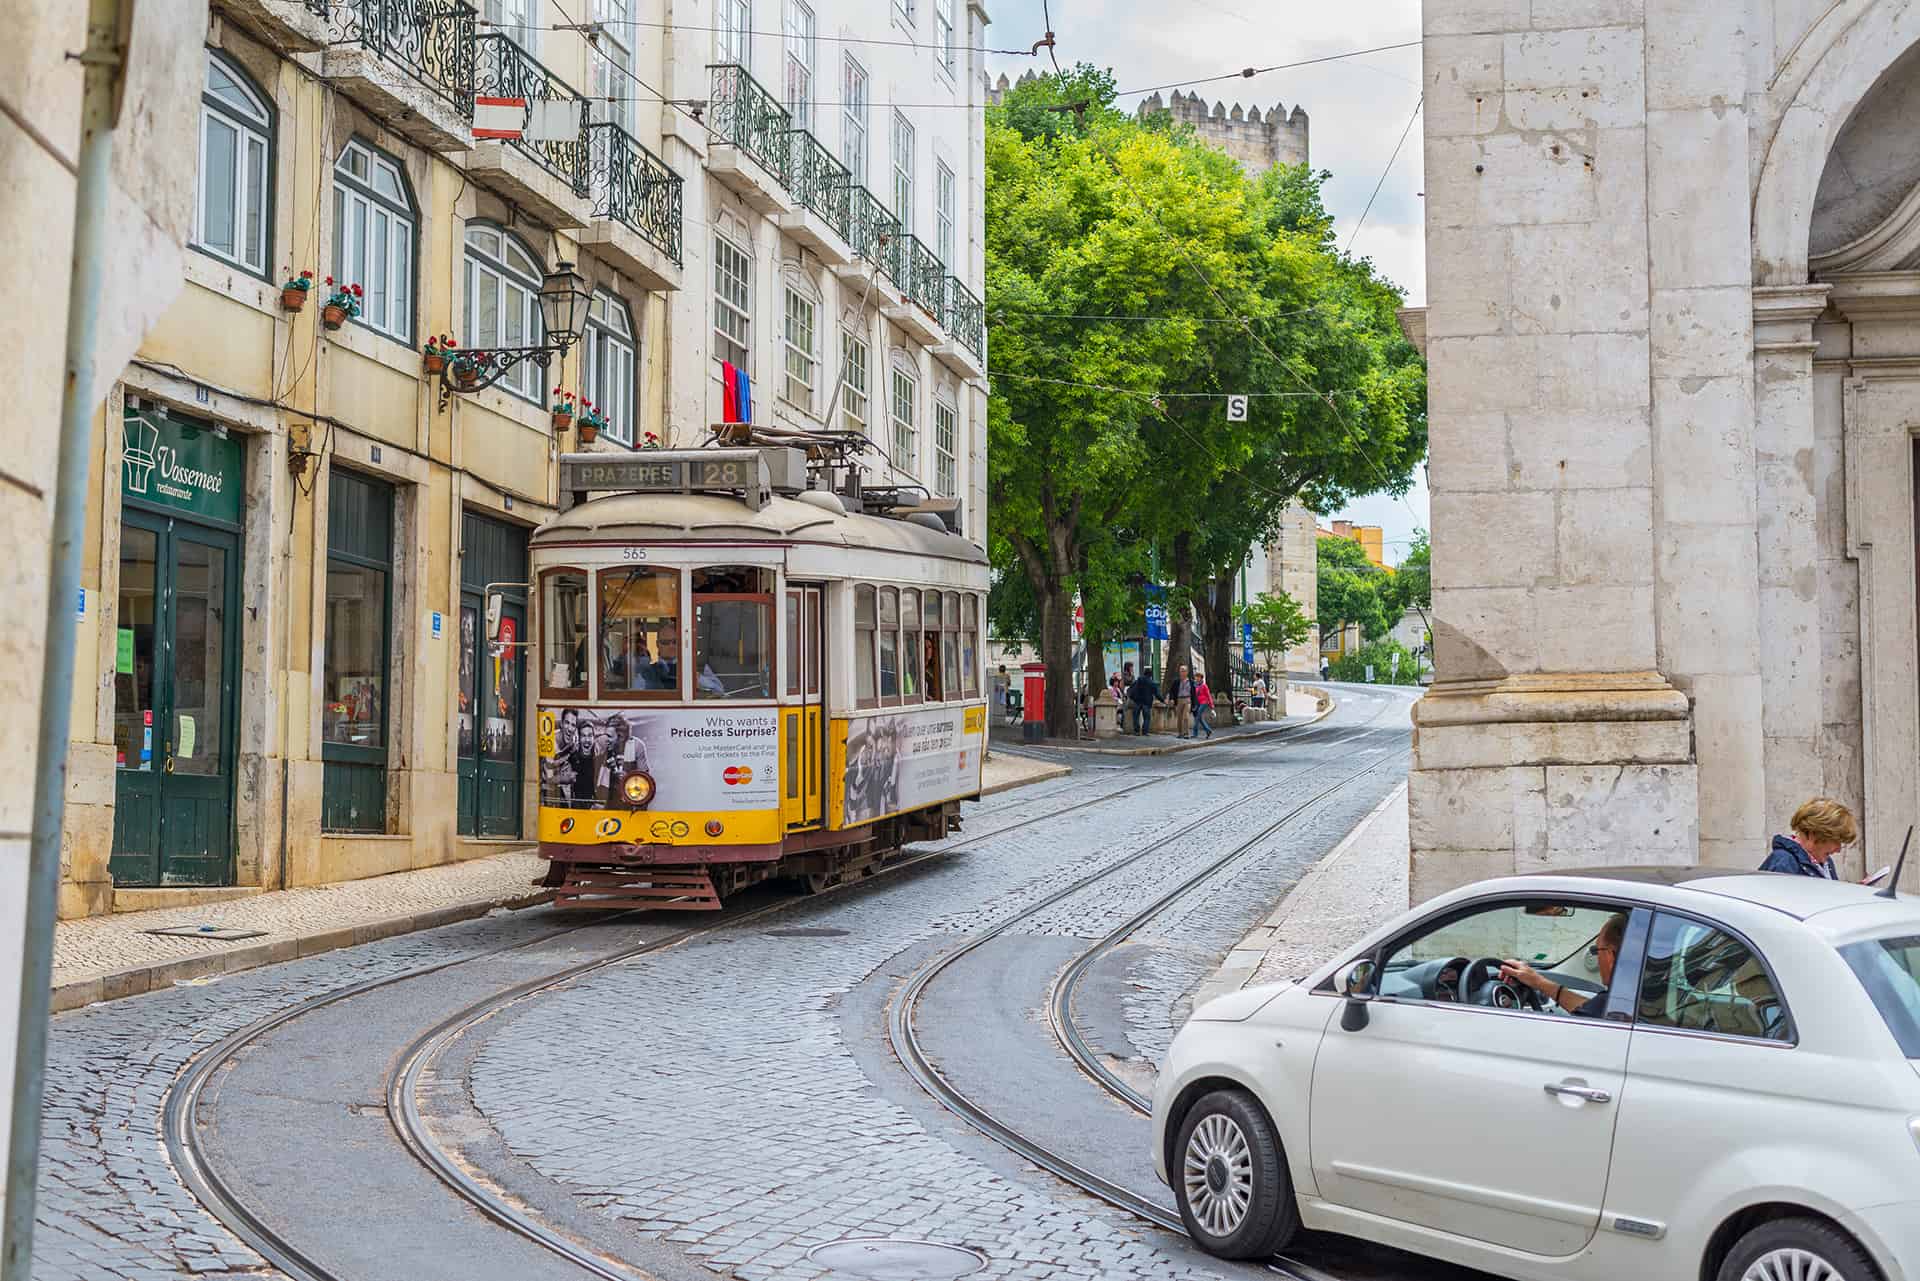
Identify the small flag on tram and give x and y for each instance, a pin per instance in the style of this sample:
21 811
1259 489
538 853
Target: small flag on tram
499 117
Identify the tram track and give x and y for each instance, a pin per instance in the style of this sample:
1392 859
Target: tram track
912 1053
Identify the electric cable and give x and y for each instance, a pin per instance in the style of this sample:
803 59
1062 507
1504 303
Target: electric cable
1421 101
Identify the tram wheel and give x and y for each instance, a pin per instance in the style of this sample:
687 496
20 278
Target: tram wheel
818 882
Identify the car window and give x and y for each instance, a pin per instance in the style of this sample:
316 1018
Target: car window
1557 939
1890 971
1701 979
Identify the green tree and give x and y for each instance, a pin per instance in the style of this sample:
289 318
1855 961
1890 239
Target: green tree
1352 589
1380 656
1278 625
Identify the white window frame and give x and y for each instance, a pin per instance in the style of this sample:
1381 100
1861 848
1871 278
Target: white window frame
733 33
944 187
855 91
903 11
905 454
903 175
518 19
252 127
610 364
797 28
362 216
856 382
741 309
800 347
946 454
944 52
613 63
498 273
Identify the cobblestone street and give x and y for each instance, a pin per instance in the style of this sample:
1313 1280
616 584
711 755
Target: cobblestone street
728 1104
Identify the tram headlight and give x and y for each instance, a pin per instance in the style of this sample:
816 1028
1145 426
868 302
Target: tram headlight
637 790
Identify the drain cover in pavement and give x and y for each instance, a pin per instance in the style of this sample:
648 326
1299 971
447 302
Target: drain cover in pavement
808 932
207 932
888 1260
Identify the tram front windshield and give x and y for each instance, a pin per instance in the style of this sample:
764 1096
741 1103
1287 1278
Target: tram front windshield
640 631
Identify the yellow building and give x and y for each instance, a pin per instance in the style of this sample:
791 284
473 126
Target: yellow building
1335 644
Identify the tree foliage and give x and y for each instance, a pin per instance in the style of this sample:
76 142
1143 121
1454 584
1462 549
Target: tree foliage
1110 456
1278 625
1352 589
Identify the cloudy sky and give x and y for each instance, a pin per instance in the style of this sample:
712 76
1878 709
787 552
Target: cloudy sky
1358 107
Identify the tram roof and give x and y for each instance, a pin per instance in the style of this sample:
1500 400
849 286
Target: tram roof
704 517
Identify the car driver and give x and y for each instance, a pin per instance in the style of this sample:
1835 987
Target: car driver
1579 1004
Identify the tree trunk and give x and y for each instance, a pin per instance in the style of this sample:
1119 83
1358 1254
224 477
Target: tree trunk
1180 630
1096 664
1056 651
1217 604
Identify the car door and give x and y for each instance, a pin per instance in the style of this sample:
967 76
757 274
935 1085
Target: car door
1491 1123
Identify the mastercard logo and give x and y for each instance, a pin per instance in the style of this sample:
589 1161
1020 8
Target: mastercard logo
737 774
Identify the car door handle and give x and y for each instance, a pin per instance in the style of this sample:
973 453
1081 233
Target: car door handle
1586 1092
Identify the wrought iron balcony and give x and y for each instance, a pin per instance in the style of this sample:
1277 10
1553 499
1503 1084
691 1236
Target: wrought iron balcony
966 318
820 182
633 186
505 70
745 114
927 282
433 41
875 235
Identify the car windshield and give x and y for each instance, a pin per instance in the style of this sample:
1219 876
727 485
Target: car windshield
1890 971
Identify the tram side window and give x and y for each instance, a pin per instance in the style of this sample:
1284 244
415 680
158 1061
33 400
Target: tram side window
639 633
950 648
793 643
732 632
970 646
936 692
863 626
889 645
563 632
909 646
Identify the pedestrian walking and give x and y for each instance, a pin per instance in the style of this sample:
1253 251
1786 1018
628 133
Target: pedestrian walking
1182 687
1258 695
1820 828
1141 696
1202 705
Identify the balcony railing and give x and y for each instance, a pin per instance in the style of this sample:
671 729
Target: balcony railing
966 318
820 182
505 70
431 40
633 186
750 118
927 283
874 233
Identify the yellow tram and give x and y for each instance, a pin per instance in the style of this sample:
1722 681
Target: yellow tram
748 666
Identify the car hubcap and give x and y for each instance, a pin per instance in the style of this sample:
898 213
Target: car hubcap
1790 1265
1218 1176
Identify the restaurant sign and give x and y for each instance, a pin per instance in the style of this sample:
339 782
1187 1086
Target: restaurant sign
182 464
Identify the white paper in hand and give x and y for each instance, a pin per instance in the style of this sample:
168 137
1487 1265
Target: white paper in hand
1878 876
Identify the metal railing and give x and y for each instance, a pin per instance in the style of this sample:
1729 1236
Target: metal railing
633 186
746 115
820 182
875 235
966 318
434 41
505 70
926 283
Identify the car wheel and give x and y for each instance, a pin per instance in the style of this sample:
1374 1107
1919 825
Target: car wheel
1230 1178
1797 1250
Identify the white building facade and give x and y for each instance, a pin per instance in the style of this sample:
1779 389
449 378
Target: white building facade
1674 346
835 228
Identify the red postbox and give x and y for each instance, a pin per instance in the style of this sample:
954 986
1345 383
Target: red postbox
1033 701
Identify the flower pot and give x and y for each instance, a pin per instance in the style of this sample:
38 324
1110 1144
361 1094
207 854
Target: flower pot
561 421
333 316
466 377
292 299
434 362
588 433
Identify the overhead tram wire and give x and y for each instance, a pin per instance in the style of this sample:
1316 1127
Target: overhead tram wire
1418 103
585 27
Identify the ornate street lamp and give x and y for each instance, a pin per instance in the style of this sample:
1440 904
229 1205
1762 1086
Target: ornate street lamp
563 315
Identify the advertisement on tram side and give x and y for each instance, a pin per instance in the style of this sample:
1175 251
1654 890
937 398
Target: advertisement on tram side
701 761
908 760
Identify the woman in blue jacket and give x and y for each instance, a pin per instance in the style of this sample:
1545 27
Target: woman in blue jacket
1820 828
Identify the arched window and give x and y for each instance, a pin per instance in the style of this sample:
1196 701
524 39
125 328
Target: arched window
607 364
503 308
373 237
232 220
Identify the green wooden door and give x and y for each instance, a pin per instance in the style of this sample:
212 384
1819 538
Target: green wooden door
492 679
177 673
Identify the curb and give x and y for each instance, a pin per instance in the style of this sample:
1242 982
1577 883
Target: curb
1046 774
1243 961
142 979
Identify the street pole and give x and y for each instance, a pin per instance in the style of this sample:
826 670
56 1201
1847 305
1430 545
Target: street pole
101 66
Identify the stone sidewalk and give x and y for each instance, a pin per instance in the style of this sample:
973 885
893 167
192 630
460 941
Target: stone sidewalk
1359 884
1303 708
103 958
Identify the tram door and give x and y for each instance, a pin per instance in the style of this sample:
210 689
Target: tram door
803 724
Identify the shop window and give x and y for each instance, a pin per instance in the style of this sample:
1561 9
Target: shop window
732 633
640 634
890 645
353 714
563 633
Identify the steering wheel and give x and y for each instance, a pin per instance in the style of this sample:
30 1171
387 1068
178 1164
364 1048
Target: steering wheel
1481 984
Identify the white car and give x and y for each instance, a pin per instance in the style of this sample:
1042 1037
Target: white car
1737 1097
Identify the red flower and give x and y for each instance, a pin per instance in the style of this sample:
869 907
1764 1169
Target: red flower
329 279
356 291
306 275
449 343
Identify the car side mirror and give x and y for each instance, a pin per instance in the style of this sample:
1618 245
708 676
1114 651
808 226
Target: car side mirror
1355 982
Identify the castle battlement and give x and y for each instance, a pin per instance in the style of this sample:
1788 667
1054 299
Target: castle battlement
1258 139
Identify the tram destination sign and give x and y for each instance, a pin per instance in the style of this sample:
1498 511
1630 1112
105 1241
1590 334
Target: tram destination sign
683 471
